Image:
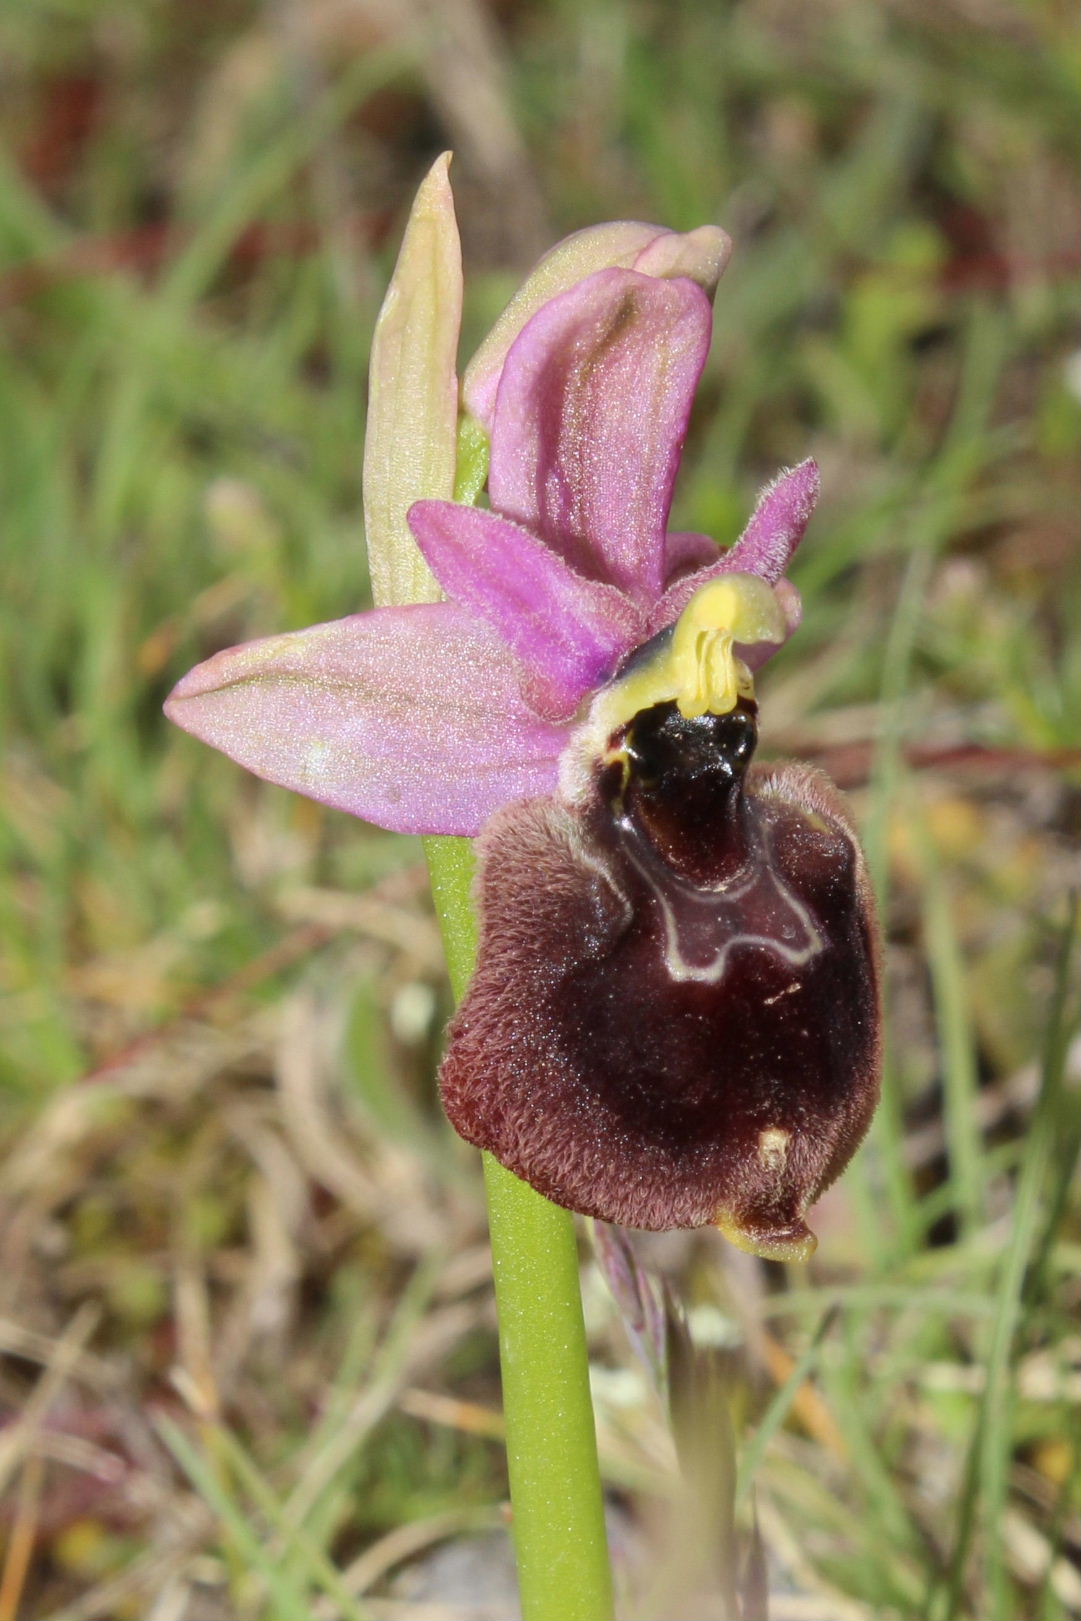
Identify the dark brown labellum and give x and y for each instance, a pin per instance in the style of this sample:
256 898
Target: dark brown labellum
674 1018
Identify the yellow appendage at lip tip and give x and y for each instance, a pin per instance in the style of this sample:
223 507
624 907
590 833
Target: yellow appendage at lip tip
698 668
798 1244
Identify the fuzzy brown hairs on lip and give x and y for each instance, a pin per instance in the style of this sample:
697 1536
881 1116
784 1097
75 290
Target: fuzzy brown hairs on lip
675 1016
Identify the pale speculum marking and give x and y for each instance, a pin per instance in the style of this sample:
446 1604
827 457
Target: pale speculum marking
709 913
772 1148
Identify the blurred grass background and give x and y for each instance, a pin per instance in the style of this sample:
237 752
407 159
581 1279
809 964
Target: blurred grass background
247 1350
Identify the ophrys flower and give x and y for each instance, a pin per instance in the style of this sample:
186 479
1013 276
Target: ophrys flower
674 1018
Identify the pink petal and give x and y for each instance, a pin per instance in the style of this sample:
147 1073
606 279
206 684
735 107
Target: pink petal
590 421
409 717
567 632
777 524
765 547
685 552
598 247
700 254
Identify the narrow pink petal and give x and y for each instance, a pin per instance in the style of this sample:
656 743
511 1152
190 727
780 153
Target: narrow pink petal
409 717
590 421
701 255
569 633
777 524
598 247
765 547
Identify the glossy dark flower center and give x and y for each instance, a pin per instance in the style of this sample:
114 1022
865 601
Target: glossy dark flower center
678 783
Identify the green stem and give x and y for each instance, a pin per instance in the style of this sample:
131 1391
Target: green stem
555 1488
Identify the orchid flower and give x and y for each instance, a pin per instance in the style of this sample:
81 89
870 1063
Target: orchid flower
674 1015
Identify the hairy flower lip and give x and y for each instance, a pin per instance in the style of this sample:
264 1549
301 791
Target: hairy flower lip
657 1054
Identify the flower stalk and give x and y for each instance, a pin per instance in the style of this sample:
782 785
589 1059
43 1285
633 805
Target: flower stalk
558 1510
